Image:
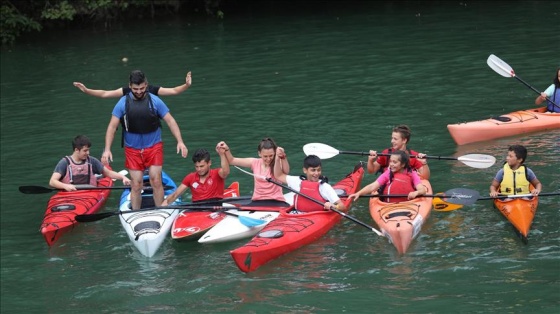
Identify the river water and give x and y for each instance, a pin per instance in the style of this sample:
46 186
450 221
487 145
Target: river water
343 74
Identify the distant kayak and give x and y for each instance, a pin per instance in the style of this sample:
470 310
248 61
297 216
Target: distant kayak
514 123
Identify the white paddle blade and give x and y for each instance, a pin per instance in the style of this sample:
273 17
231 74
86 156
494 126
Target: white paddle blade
322 151
479 161
500 66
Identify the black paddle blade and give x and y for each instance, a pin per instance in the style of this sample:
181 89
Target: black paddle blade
94 217
34 189
460 196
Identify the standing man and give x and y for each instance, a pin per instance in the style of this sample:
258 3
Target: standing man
139 113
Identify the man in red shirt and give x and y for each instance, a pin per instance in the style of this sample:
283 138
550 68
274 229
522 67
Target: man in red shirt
205 183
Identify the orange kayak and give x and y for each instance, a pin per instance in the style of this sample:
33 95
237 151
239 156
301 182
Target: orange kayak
401 222
514 123
520 212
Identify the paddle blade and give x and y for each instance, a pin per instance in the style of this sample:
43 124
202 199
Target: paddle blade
500 66
34 189
94 217
461 196
251 222
479 161
322 151
443 206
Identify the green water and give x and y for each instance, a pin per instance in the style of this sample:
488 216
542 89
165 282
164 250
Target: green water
342 75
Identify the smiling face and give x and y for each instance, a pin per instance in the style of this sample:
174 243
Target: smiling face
312 173
397 141
139 90
267 155
395 163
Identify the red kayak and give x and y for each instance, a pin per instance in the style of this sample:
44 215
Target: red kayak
64 206
291 231
192 225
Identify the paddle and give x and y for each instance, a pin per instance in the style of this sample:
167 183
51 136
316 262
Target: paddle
502 68
457 193
451 205
324 151
36 189
247 221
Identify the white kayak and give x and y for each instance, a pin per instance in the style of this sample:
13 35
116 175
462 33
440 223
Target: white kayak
148 229
231 228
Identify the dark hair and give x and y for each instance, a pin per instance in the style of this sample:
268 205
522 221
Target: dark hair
80 141
555 80
520 151
137 77
404 158
404 130
200 155
311 161
268 143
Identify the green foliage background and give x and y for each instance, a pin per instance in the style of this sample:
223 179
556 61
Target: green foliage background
21 16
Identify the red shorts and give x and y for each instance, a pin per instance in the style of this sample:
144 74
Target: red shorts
142 159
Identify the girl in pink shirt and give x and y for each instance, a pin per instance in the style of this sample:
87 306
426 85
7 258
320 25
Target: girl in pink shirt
262 168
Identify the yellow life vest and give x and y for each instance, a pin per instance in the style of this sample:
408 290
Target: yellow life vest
514 182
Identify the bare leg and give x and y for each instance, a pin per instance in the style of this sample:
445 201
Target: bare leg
137 180
157 185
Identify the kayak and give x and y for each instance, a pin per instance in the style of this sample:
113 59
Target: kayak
147 229
289 232
401 222
192 225
514 123
520 212
64 206
233 228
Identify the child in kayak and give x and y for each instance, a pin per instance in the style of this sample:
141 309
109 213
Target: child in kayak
515 177
399 139
398 179
313 184
552 93
205 183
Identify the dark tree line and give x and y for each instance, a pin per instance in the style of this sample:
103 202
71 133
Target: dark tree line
21 16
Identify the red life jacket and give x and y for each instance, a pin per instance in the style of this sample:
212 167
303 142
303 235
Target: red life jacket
79 173
401 183
310 189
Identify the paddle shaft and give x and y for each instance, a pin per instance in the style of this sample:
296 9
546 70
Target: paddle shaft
517 196
36 189
331 208
411 156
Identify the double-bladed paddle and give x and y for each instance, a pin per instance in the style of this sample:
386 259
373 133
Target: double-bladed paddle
452 204
247 221
37 189
343 214
502 68
324 151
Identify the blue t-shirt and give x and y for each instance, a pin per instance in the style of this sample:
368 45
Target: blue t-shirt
136 140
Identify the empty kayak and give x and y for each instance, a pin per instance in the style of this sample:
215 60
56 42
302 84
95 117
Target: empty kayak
514 123
289 232
192 225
